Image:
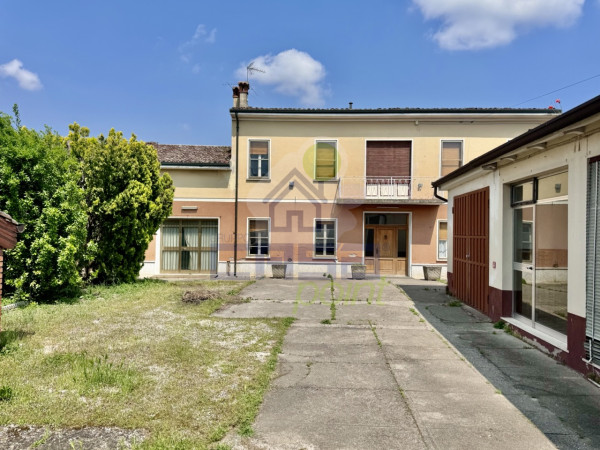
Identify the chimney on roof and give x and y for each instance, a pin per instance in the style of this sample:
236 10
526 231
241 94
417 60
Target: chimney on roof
244 88
236 97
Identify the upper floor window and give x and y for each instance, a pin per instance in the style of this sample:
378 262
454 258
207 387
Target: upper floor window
259 159
326 160
452 156
325 237
258 237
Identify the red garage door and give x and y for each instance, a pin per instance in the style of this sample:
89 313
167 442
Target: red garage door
471 248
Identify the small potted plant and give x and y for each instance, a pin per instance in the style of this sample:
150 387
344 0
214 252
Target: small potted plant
358 271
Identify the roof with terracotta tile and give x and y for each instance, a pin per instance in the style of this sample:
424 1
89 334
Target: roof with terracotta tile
192 155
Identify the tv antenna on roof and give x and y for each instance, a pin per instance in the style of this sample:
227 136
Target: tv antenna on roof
250 69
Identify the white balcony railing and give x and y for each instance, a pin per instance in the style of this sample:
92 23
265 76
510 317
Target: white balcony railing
386 188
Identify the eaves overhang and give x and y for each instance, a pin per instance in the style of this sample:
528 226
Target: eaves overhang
549 128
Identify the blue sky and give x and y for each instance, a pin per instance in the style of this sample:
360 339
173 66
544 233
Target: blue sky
163 69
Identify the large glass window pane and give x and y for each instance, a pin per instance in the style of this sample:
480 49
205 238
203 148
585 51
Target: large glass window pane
553 186
325 241
402 243
369 243
523 292
258 237
523 193
259 159
523 235
551 267
386 219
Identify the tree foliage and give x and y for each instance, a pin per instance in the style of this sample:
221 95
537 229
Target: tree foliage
39 188
127 199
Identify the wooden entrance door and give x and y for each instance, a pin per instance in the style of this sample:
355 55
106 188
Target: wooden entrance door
389 249
471 249
385 250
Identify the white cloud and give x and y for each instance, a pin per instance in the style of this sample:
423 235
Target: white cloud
26 79
201 35
478 24
292 73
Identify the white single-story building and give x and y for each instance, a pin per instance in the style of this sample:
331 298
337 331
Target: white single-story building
524 234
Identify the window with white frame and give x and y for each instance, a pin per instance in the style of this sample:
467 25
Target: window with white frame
325 237
258 237
326 160
451 156
259 159
442 239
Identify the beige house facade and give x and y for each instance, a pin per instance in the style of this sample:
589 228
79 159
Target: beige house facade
524 235
320 190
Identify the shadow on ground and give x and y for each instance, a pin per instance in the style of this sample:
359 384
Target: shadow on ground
559 401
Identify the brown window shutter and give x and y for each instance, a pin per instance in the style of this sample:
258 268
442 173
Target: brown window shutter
388 158
451 156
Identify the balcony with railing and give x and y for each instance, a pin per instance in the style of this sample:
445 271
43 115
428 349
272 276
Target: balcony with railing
395 190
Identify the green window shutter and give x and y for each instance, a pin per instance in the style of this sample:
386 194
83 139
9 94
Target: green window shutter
326 160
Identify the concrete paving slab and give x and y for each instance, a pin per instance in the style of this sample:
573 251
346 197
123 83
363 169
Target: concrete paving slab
467 438
404 386
465 409
390 314
309 437
335 376
275 309
440 376
360 407
423 338
409 354
330 334
307 352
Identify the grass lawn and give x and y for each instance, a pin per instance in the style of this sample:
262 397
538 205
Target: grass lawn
136 356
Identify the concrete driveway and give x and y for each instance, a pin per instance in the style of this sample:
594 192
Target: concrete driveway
377 376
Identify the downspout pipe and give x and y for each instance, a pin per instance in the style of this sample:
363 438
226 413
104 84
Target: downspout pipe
438 196
237 177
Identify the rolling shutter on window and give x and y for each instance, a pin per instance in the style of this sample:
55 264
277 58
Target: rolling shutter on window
388 158
259 147
325 160
451 156
258 225
593 264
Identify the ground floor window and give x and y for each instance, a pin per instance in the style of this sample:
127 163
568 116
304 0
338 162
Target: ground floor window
540 266
325 237
442 240
189 246
258 237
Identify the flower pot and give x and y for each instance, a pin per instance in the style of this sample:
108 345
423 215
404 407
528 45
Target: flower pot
359 271
278 270
432 272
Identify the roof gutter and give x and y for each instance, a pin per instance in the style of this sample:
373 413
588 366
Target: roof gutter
438 196
195 166
577 114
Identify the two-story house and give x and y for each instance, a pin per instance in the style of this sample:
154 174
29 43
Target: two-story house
322 189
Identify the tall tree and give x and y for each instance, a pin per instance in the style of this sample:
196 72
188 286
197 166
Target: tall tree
39 188
127 199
